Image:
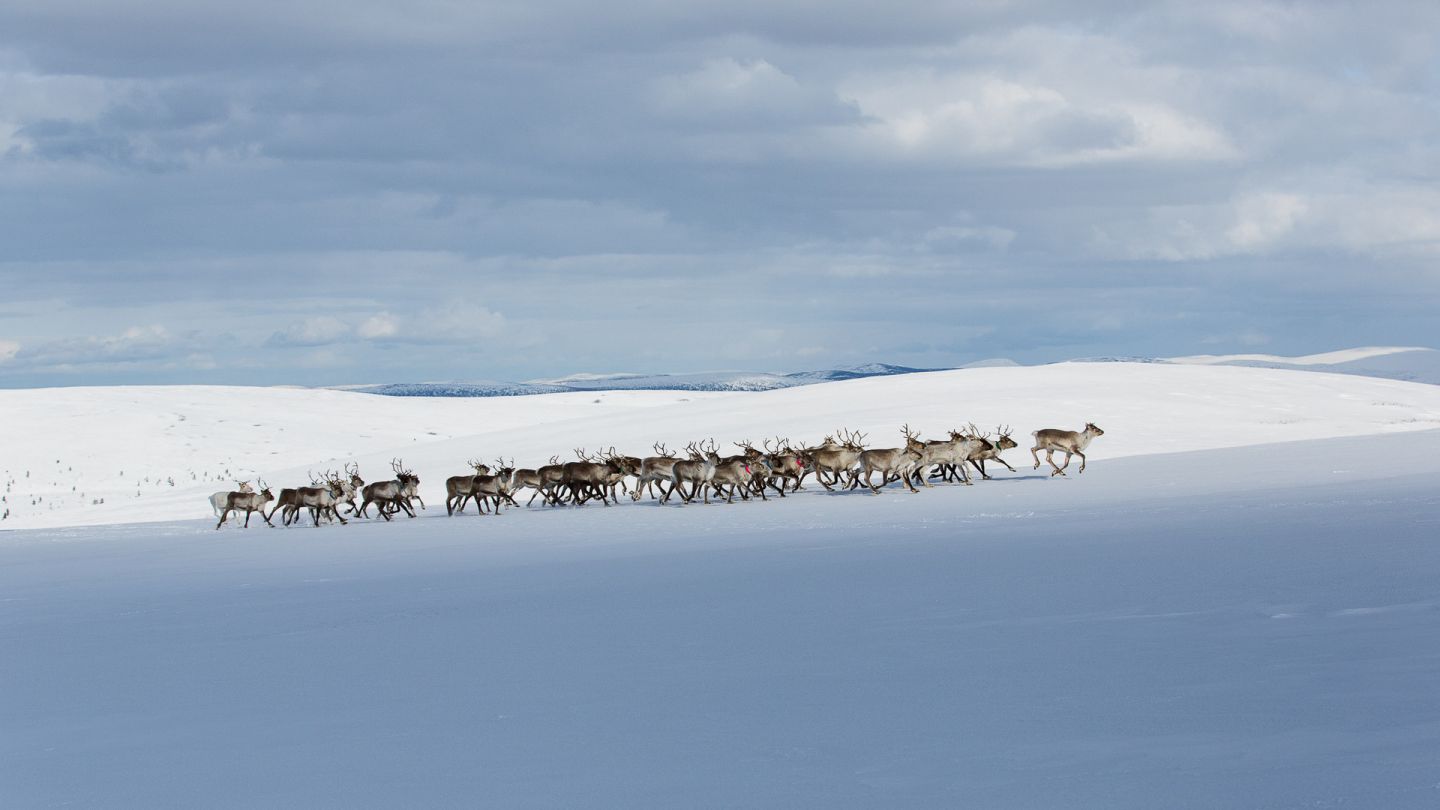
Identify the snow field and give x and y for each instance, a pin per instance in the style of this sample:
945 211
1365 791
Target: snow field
76 442
1249 627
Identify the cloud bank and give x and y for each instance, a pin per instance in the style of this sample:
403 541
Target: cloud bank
310 192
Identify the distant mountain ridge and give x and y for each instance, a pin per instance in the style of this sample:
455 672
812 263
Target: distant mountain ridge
1406 363
587 382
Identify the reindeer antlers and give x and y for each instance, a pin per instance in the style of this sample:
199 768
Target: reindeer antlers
661 451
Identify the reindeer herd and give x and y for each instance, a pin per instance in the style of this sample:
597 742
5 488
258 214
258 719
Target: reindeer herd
841 461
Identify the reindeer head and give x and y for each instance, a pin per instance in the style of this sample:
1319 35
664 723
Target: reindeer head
480 469
748 448
1091 427
265 493
244 486
912 440
403 475
1004 442
353 470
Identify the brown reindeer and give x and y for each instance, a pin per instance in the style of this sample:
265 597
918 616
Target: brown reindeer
892 463
322 500
697 471
992 450
247 502
217 500
461 488
591 477
1066 441
654 472
837 458
389 496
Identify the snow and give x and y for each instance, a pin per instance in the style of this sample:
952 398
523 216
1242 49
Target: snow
1322 359
1207 617
76 442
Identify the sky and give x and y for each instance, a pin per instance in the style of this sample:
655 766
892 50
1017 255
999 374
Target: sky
320 193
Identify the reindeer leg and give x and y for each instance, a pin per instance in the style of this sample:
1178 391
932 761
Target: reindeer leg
1058 470
1036 456
1082 462
222 519
820 476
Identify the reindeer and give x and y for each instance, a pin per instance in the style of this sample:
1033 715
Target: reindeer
390 493
992 449
896 462
945 454
523 479
785 461
217 500
461 488
410 485
321 500
286 501
590 477
495 488
288 504
654 471
350 487
739 474
248 502
698 470
548 481
1066 441
837 458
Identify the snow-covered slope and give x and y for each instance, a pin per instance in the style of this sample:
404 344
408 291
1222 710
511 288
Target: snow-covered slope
66 449
1205 618
1252 627
1413 364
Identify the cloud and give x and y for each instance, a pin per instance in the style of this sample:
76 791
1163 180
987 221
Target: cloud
379 325
136 343
320 331
8 350
279 186
728 93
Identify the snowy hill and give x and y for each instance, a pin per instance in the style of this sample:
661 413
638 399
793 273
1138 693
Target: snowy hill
1234 607
1408 363
155 453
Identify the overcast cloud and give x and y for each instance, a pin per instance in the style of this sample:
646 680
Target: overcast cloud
326 192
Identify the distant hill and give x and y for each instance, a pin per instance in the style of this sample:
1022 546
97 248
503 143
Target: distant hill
702 381
1408 363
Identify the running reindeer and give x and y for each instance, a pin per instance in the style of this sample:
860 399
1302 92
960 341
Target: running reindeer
893 463
247 502
1066 441
390 496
